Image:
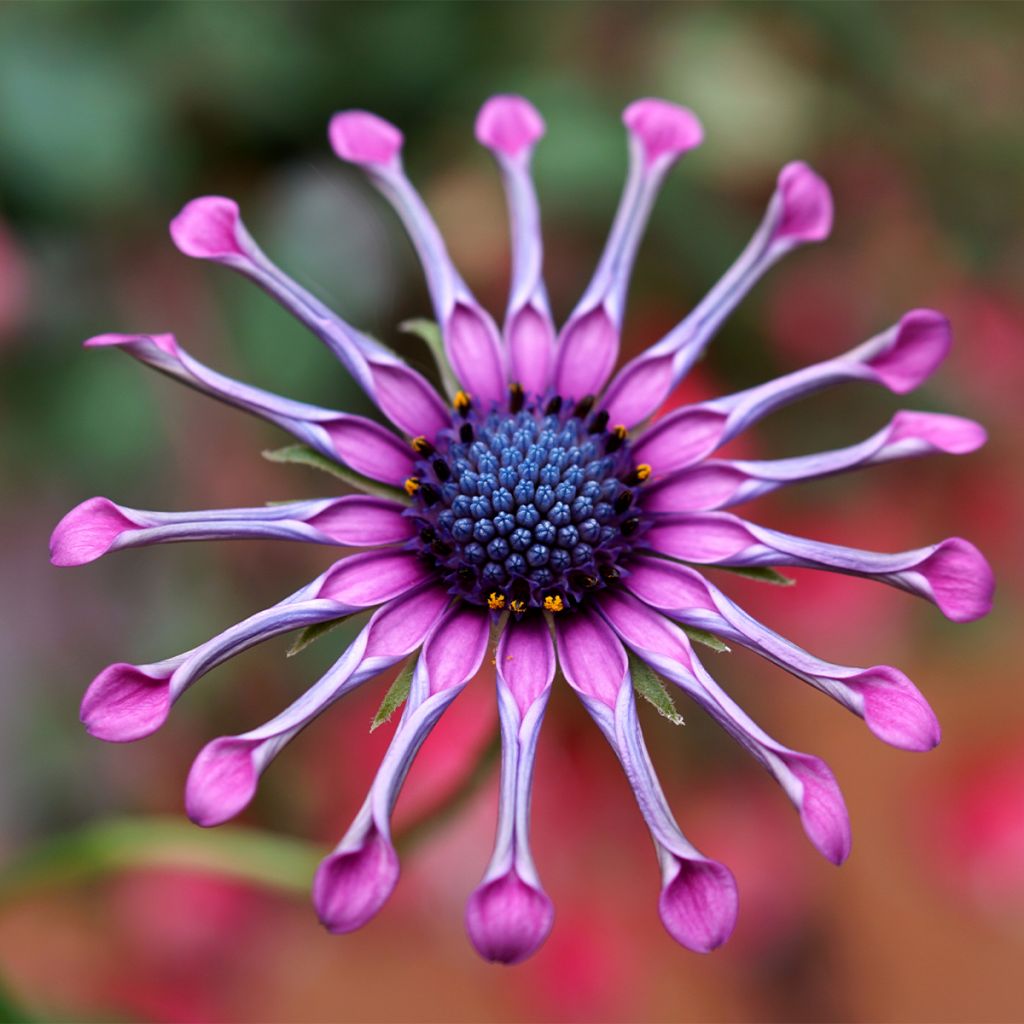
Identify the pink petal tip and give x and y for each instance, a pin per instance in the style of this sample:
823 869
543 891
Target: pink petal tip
123 703
166 342
894 709
364 138
922 341
953 435
207 228
822 809
87 532
509 124
508 920
221 782
961 580
351 887
807 204
664 129
698 906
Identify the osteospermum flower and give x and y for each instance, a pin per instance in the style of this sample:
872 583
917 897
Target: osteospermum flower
541 504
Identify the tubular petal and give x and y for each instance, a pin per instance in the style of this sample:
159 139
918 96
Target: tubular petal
471 338
364 138
508 920
716 484
224 777
361 444
222 780
207 228
884 697
698 903
352 885
898 359
98 526
372 578
509 915
806 206
952 574
894 709
807 780
88 531
530 336
510 126
698 900
800 211
588 345
211 228
126 702
959 579
591 657
665 130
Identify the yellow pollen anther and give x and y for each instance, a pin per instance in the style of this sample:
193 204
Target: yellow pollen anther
412 485
554 604
518 607
495 602
421 445
462 402
620 432
643 471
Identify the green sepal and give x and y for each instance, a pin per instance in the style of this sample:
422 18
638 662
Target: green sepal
303 455
652 688
430 334
702 636
313 633
396 696
761 573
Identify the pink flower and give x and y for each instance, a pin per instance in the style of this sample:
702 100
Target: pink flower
538 507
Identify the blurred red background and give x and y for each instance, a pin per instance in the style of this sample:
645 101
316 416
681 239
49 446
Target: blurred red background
114 115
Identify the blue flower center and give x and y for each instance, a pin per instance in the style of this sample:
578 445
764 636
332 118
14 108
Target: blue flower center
533 507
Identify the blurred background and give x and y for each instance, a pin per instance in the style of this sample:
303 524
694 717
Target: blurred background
112 906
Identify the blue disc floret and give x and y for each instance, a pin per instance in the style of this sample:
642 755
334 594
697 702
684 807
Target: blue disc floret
533 505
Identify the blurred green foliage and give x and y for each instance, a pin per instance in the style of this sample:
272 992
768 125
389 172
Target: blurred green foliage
112 115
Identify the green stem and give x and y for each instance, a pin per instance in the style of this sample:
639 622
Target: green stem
247 854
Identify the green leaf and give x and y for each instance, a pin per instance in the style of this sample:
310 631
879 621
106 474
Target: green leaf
303 455
107 847
395 697
761 573
651 687
429 332
702 636
313 633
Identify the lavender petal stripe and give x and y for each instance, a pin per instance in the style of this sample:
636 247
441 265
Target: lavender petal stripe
892 707
509 126
126 702
698 901
952 574
898 359
471 338
354 881
357 442
588 344
509 915
720 483
800 211
98 526
805 779
211 228
225 775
